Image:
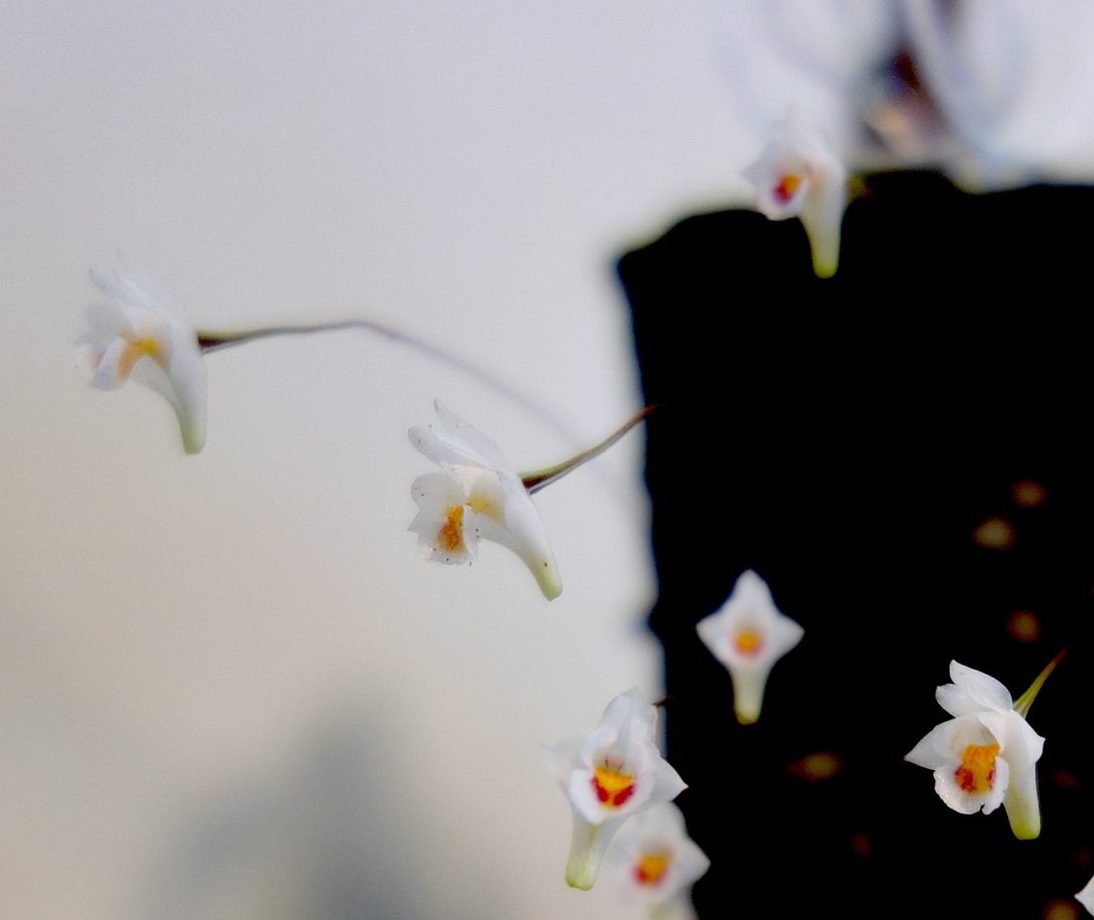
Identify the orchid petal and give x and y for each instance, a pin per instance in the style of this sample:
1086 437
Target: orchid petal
971 691
447 530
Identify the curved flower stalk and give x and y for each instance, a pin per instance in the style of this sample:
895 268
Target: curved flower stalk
799 175
748 635
479 497
653 861
134 334
612 774
986 755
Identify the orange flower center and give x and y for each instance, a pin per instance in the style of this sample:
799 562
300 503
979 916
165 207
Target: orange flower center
613 787
651 868
787 187
748 641
976 773
450 536
135 349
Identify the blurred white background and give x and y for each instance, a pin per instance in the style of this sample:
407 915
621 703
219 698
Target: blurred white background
229 686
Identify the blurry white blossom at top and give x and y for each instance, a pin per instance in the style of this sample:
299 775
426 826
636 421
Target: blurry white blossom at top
995 93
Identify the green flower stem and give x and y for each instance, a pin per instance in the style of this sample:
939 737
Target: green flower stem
1022 704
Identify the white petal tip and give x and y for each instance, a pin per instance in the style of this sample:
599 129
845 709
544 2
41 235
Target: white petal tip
824 244
1025 819
580 880
549 582
193 443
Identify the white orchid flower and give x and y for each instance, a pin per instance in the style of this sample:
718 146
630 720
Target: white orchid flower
477 496
653 861
799 175
748 635
986 755
135 334
612 774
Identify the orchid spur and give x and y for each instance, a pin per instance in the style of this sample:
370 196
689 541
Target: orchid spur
613 773
748 635
799 175
986 755
478 496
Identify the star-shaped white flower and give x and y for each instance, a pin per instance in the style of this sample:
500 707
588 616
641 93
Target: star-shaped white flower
134 334
986 755
748 635
799 175
653 861
477 496
613 773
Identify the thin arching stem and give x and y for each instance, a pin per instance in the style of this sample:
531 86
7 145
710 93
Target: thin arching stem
217 341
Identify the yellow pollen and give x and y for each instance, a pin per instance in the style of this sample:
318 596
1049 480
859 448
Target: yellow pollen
787 187
450 536
136 349
748 641
612 787
976 774
651 868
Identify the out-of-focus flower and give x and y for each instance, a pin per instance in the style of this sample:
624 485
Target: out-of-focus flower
798 175
477 496
613 773
1086 896
134 334
653 860
748 635
986 755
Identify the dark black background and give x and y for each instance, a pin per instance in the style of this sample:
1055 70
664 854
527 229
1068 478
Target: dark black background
844 438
